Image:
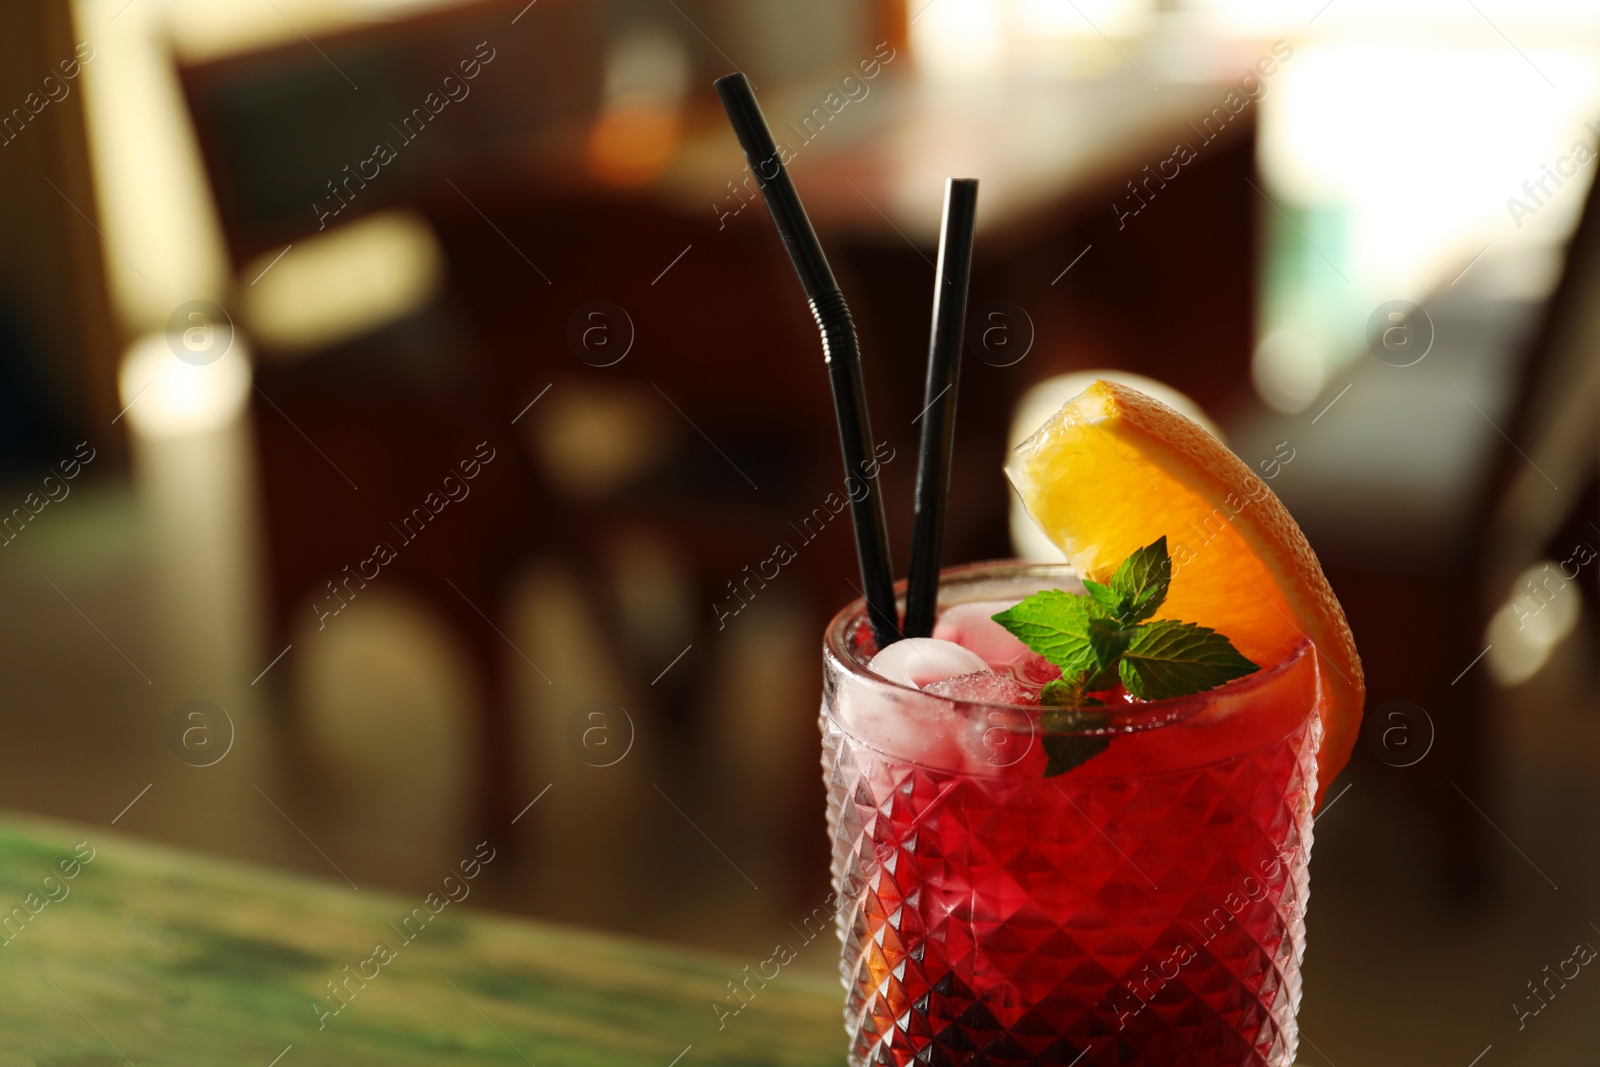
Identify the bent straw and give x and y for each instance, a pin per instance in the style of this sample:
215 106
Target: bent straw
939 397
840 349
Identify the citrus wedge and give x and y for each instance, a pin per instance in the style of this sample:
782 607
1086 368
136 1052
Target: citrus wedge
1113 470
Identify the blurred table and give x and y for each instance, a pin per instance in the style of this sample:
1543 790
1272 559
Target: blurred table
157 956
879 167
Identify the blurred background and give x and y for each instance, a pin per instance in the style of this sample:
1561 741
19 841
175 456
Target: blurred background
402 403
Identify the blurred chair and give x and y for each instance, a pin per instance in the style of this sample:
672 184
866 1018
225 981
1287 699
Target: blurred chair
1425 489
1546 493
357 436
715 442
723 391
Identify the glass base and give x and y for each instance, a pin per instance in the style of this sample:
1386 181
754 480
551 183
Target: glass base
1146 920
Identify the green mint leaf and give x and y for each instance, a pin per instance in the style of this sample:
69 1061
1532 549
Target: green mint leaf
1063 752
1068 693
1072 690
1065 744
1108 640
1140 584
1060 693
1055 624
1101 638
1173 659
1108 600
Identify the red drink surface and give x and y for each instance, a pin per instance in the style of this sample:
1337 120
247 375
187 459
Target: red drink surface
1144 908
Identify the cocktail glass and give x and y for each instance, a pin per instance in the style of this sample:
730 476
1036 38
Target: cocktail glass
1146 907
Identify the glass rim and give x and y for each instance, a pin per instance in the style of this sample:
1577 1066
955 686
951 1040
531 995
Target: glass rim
1146 715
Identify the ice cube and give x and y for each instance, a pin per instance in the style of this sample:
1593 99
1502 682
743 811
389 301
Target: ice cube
971 626
902 725
993 740
917 661
983 687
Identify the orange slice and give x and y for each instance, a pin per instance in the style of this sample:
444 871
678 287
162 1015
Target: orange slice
1113 470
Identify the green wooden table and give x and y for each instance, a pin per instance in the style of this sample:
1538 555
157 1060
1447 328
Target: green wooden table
155 956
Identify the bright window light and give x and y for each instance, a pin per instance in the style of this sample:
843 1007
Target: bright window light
987 38
1426 156
1395 182
959 36
336 285
202 29
1287 369
1296 16
166 395
1542 610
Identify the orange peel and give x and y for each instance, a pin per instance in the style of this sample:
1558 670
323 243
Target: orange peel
1115 469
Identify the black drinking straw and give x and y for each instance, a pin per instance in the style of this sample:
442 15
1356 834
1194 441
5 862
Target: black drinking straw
840 350
939 400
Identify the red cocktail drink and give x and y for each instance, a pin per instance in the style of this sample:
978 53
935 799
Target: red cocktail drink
1145 907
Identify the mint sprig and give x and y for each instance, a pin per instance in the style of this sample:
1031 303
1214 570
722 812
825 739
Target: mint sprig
1055 624
1165 659
1063 752
1141 582
1101 637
